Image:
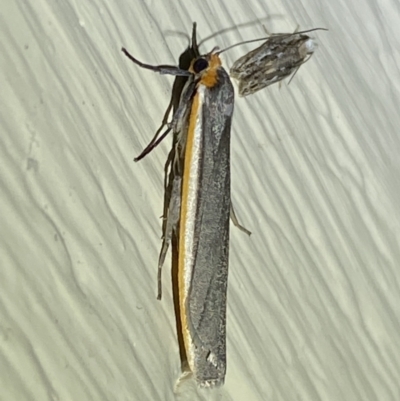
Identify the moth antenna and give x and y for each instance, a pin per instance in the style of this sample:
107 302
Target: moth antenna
260 39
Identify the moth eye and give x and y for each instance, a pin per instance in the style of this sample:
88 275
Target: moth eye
199 65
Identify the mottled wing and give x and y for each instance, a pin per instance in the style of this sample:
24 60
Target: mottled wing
277 58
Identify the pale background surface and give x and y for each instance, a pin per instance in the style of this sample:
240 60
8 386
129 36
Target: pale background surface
314 293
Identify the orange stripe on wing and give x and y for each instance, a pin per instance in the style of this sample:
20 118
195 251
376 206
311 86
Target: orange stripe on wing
183 218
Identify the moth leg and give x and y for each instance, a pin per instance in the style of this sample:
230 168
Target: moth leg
154 143
295 71
185 101
171 225
266 30
175 125
162 69
235 221
164 123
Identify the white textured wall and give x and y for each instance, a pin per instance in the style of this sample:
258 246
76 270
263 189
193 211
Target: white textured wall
314 298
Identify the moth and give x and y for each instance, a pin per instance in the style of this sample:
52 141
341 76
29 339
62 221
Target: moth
199 208
278 57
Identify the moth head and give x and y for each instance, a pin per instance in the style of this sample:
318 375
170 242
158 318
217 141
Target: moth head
308 47
205 68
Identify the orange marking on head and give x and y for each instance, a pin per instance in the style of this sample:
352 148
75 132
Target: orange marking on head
209 77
